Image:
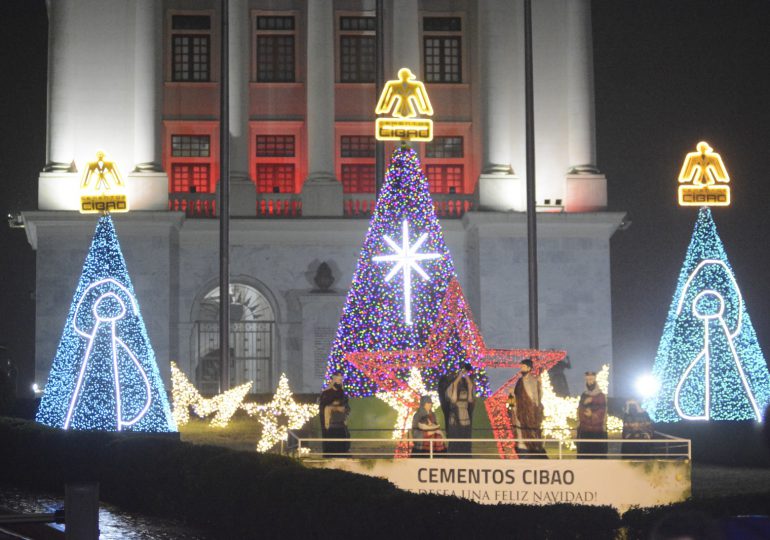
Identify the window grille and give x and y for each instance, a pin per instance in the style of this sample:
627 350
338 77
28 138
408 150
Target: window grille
190 178
275 146
358 178
444 147
275 177
442 49
276 53
190 146
445 178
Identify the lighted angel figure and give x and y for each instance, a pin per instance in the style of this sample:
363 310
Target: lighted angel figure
109 369
403 95
704 167
102 169
715 379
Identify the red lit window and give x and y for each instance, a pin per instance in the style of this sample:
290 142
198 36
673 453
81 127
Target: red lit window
445 178
357 146
190 146
444 147
275 177
190 178
358 178
275 146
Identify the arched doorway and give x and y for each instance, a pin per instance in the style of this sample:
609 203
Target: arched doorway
252 340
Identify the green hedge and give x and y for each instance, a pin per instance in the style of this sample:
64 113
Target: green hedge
249 495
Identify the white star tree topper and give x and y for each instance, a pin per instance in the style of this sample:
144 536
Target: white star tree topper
406 258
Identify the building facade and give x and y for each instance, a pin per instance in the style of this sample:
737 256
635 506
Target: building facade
140 80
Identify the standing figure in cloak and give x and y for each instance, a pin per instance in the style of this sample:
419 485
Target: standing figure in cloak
525 406
459 411
592 420
637 426
334 410
426 431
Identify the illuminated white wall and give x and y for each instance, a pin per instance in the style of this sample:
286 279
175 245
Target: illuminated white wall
173 262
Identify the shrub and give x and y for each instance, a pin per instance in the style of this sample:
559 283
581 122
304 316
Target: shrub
249 495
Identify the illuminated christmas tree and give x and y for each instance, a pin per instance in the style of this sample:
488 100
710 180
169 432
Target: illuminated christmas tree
104 375
709 363
402 277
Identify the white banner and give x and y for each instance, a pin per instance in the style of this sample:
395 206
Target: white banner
618 483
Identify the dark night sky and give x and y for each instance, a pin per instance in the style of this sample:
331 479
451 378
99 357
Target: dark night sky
668 73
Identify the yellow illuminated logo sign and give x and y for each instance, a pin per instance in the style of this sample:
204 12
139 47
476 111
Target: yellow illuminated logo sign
404 99
102 189
702 177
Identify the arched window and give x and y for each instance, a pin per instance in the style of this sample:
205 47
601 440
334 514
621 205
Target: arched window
252 340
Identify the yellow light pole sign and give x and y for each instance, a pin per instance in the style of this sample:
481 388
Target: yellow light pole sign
405 97
102 189
703 177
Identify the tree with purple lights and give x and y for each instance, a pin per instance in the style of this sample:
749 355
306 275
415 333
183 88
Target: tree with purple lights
402 276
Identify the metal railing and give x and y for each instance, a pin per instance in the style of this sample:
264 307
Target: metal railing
664 447
447 205
282 205
194 205
289 205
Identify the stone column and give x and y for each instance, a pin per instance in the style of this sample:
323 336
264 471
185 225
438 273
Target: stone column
147 186
581 127
501 43
406 50
148 16
243 191
240 47
62 84
321 192
586 187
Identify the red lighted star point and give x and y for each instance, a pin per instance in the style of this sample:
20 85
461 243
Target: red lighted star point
385 367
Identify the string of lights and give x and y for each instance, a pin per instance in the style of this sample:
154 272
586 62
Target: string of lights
186 397
560 413
709 364
400 281
104 375
281 415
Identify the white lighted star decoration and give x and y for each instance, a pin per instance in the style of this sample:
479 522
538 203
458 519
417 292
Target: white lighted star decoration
405 402
186 396
561 412
281 415
406 258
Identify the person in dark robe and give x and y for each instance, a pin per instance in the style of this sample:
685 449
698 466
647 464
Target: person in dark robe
525 407
425 430
333 411
592 420
637 426
459 411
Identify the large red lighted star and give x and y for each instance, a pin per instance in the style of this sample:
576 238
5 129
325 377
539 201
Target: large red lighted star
384 367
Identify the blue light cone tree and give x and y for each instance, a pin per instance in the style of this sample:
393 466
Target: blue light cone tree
400 282
104 375
709 363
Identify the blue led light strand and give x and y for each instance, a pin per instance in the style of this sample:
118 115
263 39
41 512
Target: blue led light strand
104 375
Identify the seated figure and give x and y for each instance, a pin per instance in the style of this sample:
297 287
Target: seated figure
425 429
